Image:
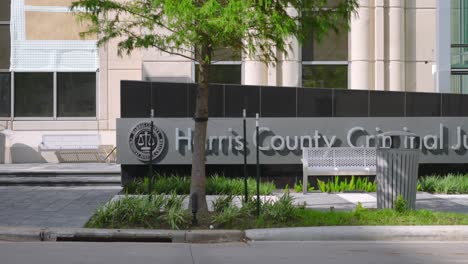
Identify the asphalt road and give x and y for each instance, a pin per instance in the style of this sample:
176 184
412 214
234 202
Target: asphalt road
255 252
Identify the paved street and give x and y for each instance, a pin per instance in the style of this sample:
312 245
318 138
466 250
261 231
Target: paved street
51 206
255 252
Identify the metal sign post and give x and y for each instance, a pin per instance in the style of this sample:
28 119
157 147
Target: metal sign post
258 164
151 149
246 191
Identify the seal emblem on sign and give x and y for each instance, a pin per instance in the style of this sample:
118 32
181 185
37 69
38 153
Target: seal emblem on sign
141 142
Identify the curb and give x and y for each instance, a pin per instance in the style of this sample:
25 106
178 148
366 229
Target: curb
331 233
361 233
119 235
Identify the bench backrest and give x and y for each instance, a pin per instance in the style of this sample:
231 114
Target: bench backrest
340 158
70 142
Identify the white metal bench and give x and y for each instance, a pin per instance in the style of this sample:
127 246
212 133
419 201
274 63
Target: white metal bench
337 161
76 148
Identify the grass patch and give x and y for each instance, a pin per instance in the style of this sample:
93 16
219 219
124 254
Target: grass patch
166 212
216 185
449 184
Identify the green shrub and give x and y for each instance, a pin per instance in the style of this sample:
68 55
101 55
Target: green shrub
272 213
401 205
298 187
157 211
216 185
222 203
449 184
361 184
281 211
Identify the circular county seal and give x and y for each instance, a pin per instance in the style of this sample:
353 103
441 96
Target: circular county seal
141 142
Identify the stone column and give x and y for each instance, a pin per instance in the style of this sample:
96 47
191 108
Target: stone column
255 72
379 45
360 48
291 68
396 45
443 46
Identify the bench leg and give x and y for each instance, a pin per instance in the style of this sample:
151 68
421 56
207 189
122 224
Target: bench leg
304 182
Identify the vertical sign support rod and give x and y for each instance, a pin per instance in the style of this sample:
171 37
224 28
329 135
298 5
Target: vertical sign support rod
151 144
258 165
246 191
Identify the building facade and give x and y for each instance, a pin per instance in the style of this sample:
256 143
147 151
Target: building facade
54 82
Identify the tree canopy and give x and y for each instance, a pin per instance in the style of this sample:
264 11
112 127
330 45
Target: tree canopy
196 29
256 27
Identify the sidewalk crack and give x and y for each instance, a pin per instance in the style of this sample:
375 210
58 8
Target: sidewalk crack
191 253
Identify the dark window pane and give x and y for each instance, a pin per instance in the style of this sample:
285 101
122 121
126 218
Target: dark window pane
423 104
333 47
5 88
135 99
314 102
76 94
278 102
34 94
5 10
350 103
387 104
4 46
229 74
226 54
325 76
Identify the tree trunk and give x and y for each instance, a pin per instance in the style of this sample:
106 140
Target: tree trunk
198 181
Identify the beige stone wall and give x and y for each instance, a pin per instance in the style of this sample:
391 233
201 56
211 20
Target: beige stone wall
392 45
53 26
48 2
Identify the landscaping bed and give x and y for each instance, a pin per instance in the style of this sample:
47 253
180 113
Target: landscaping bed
167 212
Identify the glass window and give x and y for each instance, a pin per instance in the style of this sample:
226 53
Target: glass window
221 73
459 49
226 54
333 47
4 10
325 76
76 94
459 83
4 46
34 94
5 88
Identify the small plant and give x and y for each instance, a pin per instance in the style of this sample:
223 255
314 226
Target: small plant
298 187
449 184
361 184
223 202
281 211
216 185
401 205
140 212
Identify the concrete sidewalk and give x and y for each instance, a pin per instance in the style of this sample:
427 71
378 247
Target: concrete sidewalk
51 206
348 201
59 168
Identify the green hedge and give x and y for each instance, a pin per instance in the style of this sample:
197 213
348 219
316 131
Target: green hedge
216 185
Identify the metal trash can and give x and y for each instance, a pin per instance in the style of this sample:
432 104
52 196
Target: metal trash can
397 168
